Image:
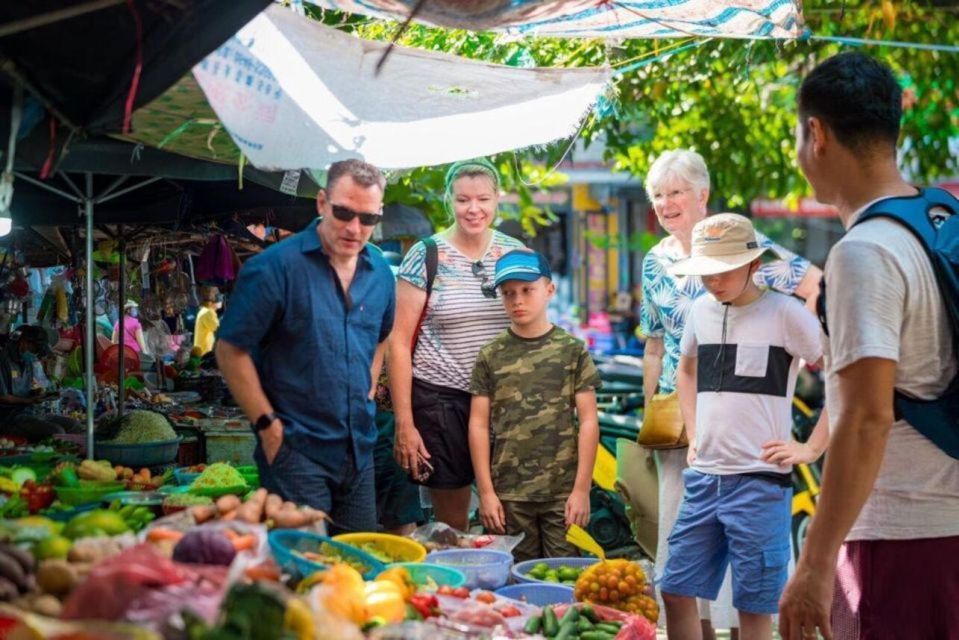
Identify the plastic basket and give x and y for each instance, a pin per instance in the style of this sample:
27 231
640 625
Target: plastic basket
152 454
216 492
184 477
88 491
483 568
538 593
284 542
520 570
399 548
422 573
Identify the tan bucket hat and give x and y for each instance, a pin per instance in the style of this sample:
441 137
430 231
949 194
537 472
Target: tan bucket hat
721 243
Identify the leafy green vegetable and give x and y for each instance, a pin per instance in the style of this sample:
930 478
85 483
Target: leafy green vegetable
136 427
219 475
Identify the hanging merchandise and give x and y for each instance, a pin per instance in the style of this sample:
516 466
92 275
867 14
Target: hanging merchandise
217 263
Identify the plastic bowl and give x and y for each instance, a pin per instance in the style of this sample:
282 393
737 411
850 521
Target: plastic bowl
421 573
184 477
520 570
152 454
400 549
483 568
283 542
538 593
88 491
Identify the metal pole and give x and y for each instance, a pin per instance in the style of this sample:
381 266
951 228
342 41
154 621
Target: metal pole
121 334
88 341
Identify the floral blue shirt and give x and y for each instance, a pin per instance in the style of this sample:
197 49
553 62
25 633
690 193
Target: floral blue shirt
667 299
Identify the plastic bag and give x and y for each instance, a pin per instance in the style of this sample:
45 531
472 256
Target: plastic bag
436 536
141 584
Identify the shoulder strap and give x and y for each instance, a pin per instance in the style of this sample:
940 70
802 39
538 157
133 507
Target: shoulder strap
432 263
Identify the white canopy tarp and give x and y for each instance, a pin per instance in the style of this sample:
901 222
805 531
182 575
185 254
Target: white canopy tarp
597 18
294 94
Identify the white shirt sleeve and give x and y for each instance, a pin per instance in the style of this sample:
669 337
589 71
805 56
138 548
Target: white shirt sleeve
866 296
802 331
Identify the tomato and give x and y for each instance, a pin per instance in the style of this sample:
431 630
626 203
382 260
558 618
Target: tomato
485 597
445 590
509 612
461 592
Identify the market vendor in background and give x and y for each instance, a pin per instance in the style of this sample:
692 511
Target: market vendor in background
297 345
678 186
430 386
133 330
207 321
18 398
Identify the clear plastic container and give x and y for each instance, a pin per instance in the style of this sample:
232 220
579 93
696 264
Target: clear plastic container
483 568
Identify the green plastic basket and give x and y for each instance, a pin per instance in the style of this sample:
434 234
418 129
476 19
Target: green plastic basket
216 492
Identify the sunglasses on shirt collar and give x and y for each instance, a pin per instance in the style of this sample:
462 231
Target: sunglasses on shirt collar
345 214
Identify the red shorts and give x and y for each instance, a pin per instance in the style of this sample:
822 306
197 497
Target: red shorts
889 589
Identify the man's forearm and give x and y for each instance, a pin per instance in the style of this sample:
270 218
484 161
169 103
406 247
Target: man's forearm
855 455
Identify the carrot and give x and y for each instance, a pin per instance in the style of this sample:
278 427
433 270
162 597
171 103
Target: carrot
229 516
273 504
159 534
290 519
245 542
231 534
263 571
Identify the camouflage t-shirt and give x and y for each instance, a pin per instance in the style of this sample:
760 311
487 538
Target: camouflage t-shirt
532 386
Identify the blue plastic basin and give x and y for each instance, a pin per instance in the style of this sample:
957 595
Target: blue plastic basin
538 593
521 569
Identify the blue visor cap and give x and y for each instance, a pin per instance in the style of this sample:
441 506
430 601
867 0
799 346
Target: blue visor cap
520 264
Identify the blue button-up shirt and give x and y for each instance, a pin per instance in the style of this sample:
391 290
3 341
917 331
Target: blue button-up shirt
313 346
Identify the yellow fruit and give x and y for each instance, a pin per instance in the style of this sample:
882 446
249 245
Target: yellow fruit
52 547
615 583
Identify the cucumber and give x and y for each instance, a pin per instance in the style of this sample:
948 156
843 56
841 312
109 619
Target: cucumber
596 635
589 613
550 623
571 615
608 628
584 624
533 624
567 631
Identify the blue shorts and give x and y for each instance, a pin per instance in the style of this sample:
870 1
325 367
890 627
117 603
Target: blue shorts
737 520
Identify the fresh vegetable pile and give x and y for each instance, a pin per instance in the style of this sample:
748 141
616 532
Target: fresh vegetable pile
561 574
261 506
576 622
619 584
219 475
136 427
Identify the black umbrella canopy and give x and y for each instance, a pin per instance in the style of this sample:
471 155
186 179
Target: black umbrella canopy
81 57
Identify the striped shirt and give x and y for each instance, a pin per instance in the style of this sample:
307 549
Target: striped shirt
459 320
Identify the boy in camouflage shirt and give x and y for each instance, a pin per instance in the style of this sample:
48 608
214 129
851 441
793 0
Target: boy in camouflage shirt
528 385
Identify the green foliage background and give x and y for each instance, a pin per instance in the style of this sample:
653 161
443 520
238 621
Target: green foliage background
731 100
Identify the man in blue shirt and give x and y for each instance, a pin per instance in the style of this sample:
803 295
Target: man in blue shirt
306 323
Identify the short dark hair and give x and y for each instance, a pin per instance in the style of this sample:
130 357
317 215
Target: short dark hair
857 97
363 173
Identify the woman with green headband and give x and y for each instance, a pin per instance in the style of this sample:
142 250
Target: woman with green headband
429 381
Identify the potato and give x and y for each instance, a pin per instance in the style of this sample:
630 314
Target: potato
56 577
47 605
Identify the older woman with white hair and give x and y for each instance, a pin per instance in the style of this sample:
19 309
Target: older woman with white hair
678 186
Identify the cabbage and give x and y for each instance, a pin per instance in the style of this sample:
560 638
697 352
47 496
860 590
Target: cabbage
142 427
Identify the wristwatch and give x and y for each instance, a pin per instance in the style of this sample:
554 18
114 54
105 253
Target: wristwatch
264 422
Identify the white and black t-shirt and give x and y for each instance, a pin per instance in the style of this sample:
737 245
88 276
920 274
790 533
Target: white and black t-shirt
883 302
746 376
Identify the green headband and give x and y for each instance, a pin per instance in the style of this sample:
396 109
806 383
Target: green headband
457 169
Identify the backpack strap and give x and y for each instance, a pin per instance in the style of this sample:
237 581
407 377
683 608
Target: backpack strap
432 266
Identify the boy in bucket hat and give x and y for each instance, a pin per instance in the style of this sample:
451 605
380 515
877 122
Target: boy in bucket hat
740 358
536 477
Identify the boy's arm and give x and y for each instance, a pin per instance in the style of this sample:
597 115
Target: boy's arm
491 509
577 506
686 387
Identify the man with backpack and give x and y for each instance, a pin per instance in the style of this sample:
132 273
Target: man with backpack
881 559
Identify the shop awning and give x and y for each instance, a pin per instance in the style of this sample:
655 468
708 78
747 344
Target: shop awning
294 93
597 18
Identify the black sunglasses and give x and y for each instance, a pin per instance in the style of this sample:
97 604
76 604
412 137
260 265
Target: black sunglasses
345 214
487 287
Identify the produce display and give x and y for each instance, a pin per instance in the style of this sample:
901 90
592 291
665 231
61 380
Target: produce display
219 475
575 622
136 427
561 574
329 555
619 584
